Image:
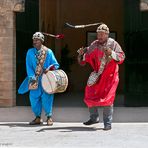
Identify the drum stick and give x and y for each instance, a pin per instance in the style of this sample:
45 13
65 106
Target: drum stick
58 36
82 26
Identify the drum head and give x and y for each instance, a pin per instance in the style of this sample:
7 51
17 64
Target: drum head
49 82
54 81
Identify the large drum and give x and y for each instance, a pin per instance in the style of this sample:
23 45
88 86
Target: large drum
54 81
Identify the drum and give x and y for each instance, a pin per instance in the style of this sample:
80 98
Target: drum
55 81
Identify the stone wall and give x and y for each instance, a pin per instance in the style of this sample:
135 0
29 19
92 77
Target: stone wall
8 9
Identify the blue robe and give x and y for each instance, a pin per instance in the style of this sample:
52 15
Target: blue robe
38 97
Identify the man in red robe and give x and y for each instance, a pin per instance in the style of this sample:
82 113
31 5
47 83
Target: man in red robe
104 55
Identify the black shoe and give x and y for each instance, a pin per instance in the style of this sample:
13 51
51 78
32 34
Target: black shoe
90 122
107 128
36 121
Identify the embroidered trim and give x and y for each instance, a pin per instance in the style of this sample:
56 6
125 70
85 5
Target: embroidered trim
94 76
41 56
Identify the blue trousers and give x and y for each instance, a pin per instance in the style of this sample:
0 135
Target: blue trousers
107 115
44 101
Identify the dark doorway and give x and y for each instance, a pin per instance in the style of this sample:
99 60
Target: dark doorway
136 44
26 24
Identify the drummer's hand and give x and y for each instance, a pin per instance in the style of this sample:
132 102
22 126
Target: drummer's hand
80 51
49 68
108 51
52 67
45 70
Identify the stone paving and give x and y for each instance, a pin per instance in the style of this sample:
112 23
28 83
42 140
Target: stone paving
130 129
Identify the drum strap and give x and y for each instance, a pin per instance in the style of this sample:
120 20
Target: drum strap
41 56
94 76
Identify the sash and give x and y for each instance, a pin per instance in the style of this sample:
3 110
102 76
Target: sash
94 76
41 56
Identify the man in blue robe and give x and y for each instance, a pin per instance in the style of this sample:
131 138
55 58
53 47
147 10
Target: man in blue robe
38 97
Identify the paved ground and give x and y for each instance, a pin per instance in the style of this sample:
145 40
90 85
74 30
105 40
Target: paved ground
75 135
130 129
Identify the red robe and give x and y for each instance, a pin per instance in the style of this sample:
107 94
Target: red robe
102 93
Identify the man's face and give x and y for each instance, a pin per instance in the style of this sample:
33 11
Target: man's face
102 37
37 43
